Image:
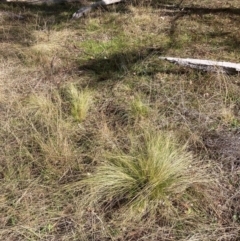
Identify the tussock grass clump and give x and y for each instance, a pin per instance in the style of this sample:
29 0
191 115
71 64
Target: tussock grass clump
139 108
155 176
42 108
50 132
80 102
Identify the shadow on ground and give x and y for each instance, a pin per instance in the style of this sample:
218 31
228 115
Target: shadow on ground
18 20
139 62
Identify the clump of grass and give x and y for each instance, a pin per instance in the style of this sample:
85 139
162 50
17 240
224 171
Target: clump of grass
228 117
139 108
42 108
80 102
49 131
155 176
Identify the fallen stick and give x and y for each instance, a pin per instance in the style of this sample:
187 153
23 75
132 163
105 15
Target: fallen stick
206 65
85 10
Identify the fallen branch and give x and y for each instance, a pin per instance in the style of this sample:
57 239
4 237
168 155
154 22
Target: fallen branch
85 10
206 65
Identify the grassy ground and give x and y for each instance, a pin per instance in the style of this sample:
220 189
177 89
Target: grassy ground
101 140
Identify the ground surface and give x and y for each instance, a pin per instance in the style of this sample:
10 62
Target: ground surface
49 144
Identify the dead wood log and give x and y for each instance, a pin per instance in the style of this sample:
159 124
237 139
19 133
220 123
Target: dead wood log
85 10
206 65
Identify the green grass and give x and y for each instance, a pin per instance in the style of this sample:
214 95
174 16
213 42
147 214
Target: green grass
102 140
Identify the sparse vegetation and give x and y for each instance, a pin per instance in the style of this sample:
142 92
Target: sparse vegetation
102 140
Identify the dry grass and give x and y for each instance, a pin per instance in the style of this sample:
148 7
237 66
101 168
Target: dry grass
80 102
155 178
101 140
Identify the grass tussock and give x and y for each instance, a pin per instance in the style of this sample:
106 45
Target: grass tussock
155 176
101 140
139 108
80 102
50 132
